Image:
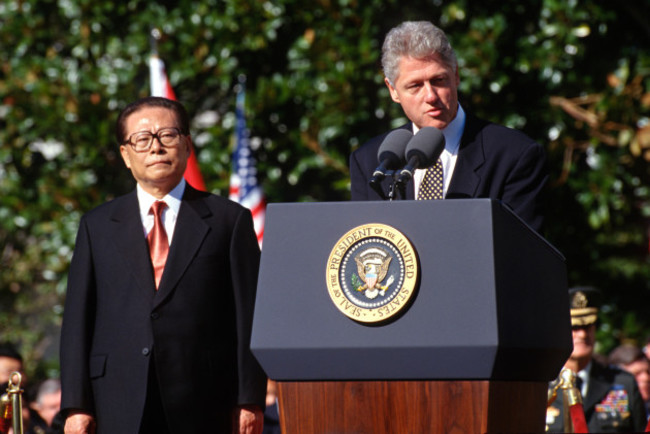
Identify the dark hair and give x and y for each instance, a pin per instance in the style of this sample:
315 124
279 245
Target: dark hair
152 101
625 354
9 350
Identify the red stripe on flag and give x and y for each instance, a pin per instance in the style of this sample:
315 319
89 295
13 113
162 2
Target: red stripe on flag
160 86
193 173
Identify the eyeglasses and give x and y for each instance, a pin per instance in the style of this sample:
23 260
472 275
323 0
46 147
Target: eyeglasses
142 140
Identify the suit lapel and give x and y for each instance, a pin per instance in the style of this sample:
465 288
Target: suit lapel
471 156
128 236
189 233
598 388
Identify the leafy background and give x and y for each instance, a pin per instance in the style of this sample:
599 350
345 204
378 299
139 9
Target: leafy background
573 75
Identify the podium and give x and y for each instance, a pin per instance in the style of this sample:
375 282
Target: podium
486 327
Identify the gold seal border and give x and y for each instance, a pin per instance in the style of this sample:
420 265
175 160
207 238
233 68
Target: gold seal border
406 292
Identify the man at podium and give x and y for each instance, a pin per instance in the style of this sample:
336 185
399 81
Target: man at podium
480 159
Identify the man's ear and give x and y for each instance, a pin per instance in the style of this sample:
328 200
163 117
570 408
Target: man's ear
188 145
393 93
125 156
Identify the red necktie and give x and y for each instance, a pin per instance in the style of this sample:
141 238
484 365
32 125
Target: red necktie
157 239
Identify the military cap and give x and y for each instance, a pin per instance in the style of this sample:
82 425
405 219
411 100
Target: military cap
584 302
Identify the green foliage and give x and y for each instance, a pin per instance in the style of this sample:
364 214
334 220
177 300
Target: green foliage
574 75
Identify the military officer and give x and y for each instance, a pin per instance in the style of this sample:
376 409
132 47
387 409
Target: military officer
611 398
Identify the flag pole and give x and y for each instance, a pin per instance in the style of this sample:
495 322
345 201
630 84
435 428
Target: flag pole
154 37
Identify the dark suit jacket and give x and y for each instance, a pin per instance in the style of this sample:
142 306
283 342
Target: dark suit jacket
197 325
493 162
613 403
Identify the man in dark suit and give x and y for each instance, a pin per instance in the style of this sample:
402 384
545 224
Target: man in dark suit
158 312
480 160
610 396
10 361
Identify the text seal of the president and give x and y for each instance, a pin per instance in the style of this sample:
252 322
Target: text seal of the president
372 273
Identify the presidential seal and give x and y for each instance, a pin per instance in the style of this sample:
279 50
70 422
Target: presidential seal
372 273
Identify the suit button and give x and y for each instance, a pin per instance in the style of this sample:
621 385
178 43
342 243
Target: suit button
145 351
155 315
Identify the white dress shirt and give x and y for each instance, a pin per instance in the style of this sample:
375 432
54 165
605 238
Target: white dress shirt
170 213
453 133
584 376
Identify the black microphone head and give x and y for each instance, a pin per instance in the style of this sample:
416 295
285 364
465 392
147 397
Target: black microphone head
391 150
427 144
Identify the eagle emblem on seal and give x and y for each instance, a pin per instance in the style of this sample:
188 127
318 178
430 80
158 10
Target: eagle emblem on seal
372 267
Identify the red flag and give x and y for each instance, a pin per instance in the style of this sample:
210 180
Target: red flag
160 87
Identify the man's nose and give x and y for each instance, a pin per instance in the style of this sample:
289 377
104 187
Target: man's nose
156 145
580 332
430 93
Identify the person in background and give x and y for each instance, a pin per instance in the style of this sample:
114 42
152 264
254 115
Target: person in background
646 348
610 396
10 361
45 406
631 358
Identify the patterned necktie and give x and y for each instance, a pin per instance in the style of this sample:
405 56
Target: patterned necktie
431 186
158 243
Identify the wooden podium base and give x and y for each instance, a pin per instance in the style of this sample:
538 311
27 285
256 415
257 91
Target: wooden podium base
375 407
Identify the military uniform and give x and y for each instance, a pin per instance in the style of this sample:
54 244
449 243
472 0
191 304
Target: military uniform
613 403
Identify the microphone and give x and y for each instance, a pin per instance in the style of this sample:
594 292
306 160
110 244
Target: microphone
390 154
422 151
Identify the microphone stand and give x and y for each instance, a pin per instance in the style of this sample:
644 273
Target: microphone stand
401 188
400 179
391 191
397 186
396 190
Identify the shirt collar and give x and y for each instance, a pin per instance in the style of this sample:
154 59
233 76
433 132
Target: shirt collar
584 373
584 376
452 132
172 199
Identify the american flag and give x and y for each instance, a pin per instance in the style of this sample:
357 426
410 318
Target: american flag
243 180
160 87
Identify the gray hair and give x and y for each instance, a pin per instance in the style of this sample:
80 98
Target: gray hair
48 387
417 39
625 354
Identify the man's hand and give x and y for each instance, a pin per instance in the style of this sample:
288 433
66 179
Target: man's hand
79 423
248 419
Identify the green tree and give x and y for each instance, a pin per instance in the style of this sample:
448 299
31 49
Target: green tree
574 75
